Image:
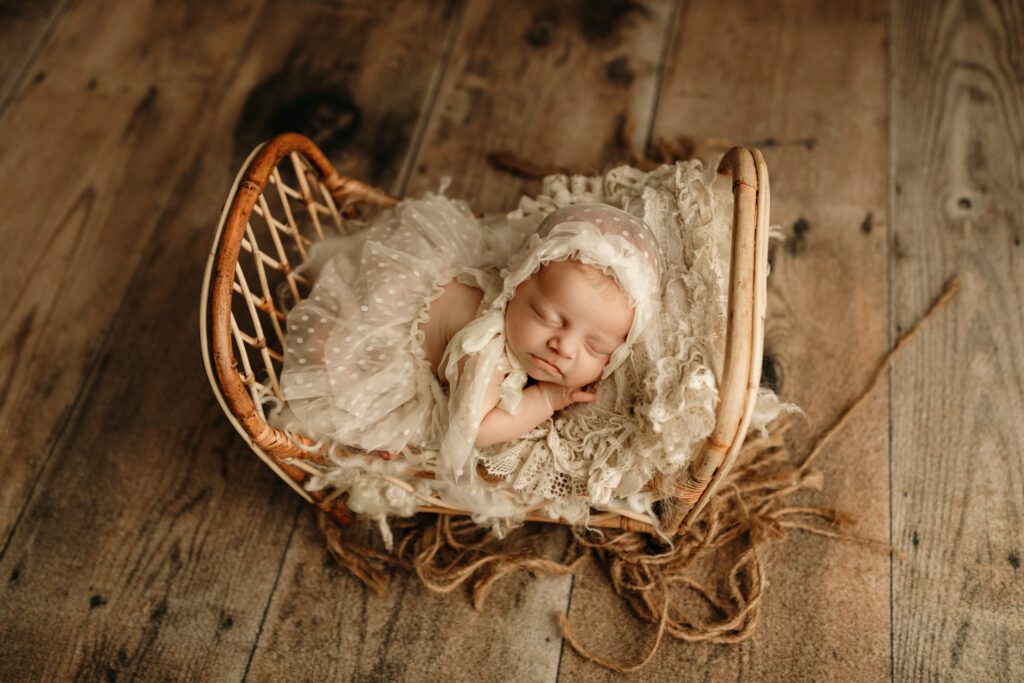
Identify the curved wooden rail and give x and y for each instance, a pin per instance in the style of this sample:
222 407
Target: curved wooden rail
741 372
265 439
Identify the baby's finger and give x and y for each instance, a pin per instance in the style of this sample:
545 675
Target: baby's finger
583 397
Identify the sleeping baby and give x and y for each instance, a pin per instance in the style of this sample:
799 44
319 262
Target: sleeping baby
419 334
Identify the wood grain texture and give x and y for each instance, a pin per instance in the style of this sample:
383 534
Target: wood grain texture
552 83
139 536
121 561
805 82
957 193
24 25
354 77
90 155
522 76
154 537
324 625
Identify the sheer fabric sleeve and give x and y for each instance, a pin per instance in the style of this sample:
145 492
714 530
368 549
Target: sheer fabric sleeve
482 344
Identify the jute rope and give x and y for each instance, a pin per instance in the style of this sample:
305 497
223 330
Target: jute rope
681 587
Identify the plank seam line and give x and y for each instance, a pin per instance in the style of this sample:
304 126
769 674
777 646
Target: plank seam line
273 589
889 237
666 43
30 63
568 612
429 104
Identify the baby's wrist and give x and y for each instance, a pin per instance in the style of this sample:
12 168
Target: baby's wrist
545 397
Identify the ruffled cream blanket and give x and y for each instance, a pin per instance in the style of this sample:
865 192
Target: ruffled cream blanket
653 412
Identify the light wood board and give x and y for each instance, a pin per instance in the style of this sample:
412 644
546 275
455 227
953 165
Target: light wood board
805 83
958 395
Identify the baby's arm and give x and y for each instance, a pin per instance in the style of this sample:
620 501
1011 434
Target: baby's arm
540 402
454 309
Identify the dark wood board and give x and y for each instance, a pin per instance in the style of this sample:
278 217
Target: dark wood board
93 147
24 27
154 538
550 83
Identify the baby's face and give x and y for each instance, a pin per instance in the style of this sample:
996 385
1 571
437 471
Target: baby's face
571 315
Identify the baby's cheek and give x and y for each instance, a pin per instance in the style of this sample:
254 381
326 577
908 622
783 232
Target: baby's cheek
515 335
587 373
526 335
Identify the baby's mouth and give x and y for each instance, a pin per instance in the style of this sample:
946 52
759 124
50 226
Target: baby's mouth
544 365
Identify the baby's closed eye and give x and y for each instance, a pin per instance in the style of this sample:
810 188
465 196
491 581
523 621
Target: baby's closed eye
544 318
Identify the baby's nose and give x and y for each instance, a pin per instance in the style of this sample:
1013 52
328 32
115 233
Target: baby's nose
562 348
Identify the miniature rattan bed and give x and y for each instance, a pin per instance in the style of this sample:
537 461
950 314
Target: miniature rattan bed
288 196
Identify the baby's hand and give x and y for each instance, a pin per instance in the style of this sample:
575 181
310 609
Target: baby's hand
558 396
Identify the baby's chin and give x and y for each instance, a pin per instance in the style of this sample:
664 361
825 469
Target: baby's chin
550 379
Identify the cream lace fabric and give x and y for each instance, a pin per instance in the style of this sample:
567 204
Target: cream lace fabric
663 398
656 401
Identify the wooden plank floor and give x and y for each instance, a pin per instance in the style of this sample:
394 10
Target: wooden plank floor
140 538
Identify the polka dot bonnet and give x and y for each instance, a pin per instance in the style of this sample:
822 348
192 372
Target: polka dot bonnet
621 245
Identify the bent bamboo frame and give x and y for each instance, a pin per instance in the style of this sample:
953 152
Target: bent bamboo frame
238 390
756 325
744 346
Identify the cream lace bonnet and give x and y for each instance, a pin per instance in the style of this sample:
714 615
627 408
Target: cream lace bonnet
621 245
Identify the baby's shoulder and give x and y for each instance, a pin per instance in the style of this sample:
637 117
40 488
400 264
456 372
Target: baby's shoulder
462 301
455 308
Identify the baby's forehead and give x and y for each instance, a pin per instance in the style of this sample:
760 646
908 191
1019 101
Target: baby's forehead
609 221
557 271
570 279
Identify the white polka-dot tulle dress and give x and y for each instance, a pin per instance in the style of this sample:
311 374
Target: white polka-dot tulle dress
355 370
